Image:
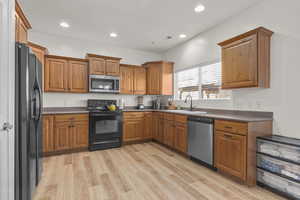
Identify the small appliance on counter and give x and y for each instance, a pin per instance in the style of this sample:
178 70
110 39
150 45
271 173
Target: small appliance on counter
105 124
140 102
156 103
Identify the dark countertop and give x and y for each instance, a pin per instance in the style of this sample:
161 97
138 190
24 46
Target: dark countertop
235 115
64 110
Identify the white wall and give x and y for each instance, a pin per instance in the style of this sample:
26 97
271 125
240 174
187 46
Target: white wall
64 46
283 97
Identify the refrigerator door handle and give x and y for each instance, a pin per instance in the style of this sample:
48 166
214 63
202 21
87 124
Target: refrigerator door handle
40 103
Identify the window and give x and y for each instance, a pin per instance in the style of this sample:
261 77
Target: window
203 82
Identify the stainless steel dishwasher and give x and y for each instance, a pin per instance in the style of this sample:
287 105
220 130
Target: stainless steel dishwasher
200 139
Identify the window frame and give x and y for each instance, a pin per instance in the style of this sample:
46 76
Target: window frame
175 84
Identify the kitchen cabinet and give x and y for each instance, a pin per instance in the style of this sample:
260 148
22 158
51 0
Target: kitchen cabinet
65 74
231 154
180 133
39 52
48 133
159 78
158 126
140 80
148 129
246 60
133 79
126 79
103 65
235 147
78 79
65 133
168 129
133 126
22 25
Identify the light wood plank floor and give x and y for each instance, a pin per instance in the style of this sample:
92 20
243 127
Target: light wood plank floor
137 172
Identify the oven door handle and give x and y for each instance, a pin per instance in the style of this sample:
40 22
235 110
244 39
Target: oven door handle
104 115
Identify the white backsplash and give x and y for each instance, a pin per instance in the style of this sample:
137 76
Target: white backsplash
80 100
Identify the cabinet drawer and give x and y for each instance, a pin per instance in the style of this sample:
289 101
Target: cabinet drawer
133 115
168 116
76 117
181 118
231 126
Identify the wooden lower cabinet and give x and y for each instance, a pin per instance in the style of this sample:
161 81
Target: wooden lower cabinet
64 133
231 153
180 137
48 130
168 133
235 148
80 134
148 129
133 126
62 136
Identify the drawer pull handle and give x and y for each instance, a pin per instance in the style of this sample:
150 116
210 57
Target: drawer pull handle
228 136
229 127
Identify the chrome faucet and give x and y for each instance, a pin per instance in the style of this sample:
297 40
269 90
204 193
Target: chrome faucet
185 101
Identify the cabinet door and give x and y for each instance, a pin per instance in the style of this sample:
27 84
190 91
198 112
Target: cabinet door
78 74
230 154
56 78
168 133
153 79
133 130
139 80
79 132
161 124
48 133
112 67
148 129
167 79
180 137
97 66
239 63
62 136
127 80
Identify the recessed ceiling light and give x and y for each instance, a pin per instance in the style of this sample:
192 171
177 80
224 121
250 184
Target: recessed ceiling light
113 35
182 35
199 8
64 24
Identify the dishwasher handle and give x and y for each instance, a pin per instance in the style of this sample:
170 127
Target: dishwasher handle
201 119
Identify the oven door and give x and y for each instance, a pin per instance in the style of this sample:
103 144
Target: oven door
105 128
106 84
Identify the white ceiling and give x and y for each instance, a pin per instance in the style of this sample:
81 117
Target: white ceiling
138 22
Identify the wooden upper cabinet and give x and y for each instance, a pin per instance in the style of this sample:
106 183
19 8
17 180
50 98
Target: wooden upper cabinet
40 53
126 79
22 25
78 76
65 74
133 79
159 78
113 67
103 65
246 60
139 80
97 66
56 75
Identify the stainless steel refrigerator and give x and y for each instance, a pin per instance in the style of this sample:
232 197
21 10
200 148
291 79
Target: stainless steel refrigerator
28 104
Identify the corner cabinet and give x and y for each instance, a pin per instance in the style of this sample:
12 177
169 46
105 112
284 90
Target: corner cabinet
103 65
235 147
246 60
65 74
133 79
159 78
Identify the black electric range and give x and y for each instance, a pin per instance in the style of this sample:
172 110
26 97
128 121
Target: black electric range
105 127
